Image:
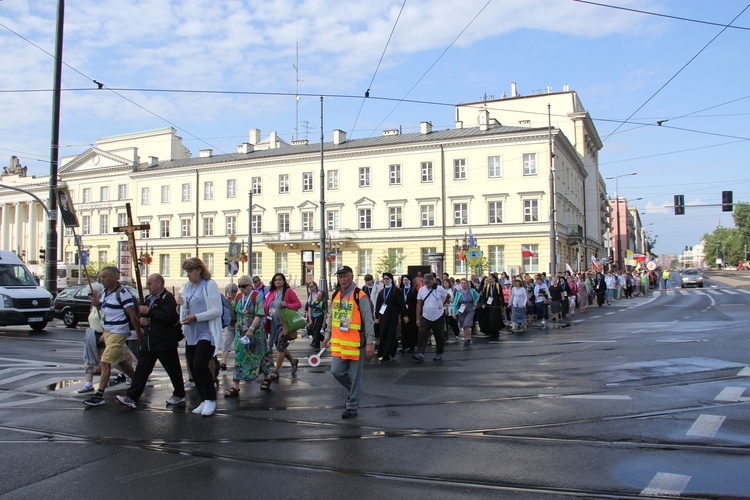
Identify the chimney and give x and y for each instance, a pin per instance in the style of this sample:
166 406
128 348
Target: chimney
206 153
513 89
339 137
484 119
425 128
272 142
459 124
153 161
245 148
254 136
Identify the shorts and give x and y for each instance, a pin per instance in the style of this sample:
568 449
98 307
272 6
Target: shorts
227 339
114 352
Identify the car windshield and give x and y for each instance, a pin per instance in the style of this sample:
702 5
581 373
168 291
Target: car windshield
15 275
692 271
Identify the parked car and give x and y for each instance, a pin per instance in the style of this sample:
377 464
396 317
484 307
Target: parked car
73 304
692 277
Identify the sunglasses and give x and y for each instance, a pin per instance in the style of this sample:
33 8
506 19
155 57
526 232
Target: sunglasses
243 286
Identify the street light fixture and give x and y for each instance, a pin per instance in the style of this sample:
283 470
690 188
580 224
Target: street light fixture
618 242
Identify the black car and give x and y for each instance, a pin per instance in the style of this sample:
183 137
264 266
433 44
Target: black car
73 304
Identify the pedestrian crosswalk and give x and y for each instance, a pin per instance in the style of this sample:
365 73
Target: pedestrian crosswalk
703 291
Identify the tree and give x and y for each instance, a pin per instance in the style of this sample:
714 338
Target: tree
741 217
390 262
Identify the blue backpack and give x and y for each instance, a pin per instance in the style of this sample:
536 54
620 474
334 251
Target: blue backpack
226 316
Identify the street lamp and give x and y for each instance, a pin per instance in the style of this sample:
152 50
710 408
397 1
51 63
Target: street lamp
618 242
461 250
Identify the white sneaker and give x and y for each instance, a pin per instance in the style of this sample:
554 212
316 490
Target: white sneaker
189 383
199 409
209 407
543 323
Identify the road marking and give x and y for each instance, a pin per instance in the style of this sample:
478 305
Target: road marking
730 292
700 292
594 317
742 290
587 396
592 341
610 313
745 372
677 341
666 484
715 292
684 292
732 394
577 321
706 426
38 399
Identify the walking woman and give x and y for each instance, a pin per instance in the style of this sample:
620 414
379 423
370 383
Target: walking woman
464 303
409 329
200 316
493 304
252 356
390 310
518 300
315 314
280 296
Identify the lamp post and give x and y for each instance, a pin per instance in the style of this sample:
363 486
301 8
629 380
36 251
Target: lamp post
618 241
463 248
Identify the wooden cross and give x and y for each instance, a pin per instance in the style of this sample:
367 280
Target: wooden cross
130 230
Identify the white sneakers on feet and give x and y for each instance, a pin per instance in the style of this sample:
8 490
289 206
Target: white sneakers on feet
199 409
209 407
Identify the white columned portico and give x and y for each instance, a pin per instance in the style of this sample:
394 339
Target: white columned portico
33 250
5 227
19 229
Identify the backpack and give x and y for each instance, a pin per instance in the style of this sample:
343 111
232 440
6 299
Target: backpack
226 314
136 303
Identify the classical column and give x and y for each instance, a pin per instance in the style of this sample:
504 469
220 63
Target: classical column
6 227
19 229
33 248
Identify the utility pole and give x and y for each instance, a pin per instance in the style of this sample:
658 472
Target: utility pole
552 229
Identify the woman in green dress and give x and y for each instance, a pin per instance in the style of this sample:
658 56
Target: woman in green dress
250 344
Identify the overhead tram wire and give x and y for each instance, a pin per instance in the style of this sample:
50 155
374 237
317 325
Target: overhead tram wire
678 72
369 87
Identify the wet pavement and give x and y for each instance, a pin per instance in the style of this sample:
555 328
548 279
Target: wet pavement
644 397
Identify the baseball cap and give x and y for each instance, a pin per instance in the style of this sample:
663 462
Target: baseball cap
344 269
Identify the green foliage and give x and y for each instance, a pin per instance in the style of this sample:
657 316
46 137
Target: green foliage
390 262
727 244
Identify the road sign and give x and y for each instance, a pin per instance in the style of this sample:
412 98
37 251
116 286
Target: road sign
232 267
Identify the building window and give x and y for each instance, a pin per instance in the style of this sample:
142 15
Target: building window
333 218
365 261
183 258
164 265
395 174
122 219
145 196
104 193
103 223
282 262
283 183
461 214
102 256
494 166
459 265
145 233
307 181
164 229
529 164
426 257
427 175
496 258
333 179
86 223
365 218
459 170
531 264
395 217
68 231
208 260
531 210
428 215
257 224
397 256
256 264
122 192
86 195
185 228
256 185
495 212
283 223
231 224
165 194
208 226
186 192
364 177
208 190
231 188
307 221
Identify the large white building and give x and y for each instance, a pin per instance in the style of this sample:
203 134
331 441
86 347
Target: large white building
410 194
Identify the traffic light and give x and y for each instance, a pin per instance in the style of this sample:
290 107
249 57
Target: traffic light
42 254
726 201
679 204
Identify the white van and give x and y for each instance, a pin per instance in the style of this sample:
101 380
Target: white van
22 300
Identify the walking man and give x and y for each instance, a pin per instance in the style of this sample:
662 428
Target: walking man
118 315
159 315
431 300
351 336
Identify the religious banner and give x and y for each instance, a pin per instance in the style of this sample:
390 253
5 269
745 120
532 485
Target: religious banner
65 204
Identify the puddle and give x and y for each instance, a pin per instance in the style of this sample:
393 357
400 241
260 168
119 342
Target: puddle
65 384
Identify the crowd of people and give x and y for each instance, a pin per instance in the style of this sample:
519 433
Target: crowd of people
382 319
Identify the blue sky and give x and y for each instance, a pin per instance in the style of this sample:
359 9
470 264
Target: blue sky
616 60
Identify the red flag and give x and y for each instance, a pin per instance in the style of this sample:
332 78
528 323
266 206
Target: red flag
525 252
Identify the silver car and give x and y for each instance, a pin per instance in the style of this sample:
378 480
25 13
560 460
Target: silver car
692 277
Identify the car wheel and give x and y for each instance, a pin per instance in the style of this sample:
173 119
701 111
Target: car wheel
38 327
69 318
700 285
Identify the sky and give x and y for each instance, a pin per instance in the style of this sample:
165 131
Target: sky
676 62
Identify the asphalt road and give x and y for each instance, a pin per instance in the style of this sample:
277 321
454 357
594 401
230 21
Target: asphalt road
648 396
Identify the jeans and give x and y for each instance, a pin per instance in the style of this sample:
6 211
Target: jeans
349 374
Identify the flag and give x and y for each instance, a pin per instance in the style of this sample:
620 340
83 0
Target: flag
595 263
525 252
472 240
569 269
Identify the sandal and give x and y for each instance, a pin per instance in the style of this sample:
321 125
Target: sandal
265 385
232 393
275 376
295 363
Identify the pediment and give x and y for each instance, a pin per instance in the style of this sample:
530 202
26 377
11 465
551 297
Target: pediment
364 201
94 159
307 205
